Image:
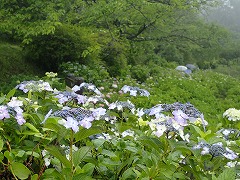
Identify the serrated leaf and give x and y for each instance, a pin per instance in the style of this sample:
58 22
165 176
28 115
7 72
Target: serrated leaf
151 143
56 153
85 133
21 171
79 155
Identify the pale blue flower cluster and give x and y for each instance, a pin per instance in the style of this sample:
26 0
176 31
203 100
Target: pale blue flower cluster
119 105
134 90
34 86
216 149
90 87
230 134
13 108
72 118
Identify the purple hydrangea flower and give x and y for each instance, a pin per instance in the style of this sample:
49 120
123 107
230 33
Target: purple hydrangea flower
180 117
71 123
4 112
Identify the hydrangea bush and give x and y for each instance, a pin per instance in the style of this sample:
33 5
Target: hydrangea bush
49 133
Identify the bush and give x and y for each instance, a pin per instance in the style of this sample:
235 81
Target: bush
115 57
92 74
68 43
140 72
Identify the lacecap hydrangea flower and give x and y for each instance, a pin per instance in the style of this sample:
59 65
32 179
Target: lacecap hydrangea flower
35 86
134 90
232 114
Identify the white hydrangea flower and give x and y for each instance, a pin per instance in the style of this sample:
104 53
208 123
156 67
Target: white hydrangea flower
232 114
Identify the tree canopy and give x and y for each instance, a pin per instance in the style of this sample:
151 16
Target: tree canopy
167 29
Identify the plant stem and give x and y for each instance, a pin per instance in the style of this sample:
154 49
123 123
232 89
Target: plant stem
71 153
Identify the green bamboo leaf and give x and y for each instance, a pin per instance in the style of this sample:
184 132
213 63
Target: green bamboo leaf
79 155
11 93
56 153
21 171
85 133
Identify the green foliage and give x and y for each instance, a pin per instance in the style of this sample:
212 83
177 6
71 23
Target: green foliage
68 43
115 58
92 73
10 83
24 20
125 147
140 72
12 63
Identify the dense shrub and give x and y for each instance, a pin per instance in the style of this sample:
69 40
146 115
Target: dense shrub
68 43
114 55
93 73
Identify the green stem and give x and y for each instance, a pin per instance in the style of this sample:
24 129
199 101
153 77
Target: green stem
71 153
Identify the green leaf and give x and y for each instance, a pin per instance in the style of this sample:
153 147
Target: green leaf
52 174
79 155
151 143
82 176
2 99
21 171
34 177
56 153
11 93
9 155
88 169
98 142
129 174
1 144
108 153
85 133
1 157
30 126
227 174
34 154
